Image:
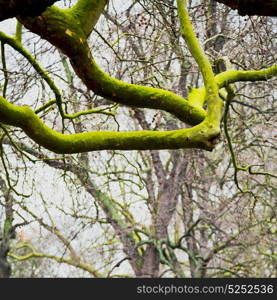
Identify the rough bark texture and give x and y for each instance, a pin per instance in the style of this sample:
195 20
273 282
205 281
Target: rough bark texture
13 8
253 7
7 232
5 268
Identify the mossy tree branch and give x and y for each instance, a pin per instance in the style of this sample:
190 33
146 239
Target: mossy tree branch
212 93
88 11
25 118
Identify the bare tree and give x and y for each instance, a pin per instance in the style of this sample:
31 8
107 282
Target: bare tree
194 201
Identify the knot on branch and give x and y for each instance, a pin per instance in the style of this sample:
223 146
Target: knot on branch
212 142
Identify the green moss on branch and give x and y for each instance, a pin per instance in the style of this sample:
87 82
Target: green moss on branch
228 77
88 12
62 29
193 44
214 103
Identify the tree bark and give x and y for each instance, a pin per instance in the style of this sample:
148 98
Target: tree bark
30 8
253 7
5 268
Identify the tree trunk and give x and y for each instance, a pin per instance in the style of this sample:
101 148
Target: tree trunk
5 268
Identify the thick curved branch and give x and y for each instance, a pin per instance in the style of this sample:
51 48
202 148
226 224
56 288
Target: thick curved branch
22 116
212 93
61 28
194 46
